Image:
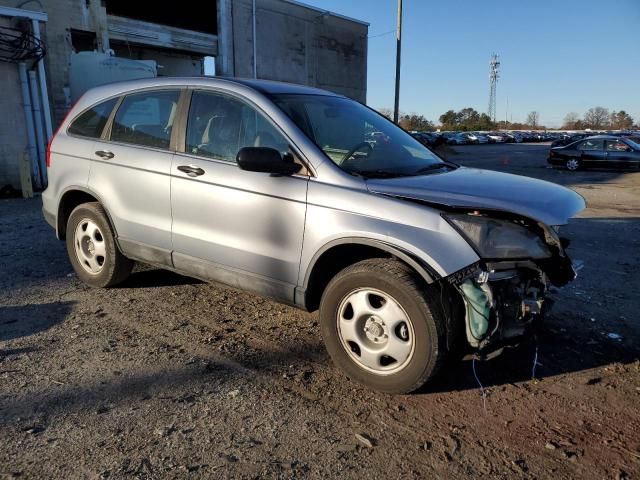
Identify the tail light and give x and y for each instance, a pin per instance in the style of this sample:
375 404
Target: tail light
48 162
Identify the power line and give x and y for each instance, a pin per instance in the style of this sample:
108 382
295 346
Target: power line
382 34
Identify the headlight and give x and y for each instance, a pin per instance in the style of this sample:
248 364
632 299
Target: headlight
493 238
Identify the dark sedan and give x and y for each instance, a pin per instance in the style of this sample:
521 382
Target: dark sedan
604 151
567 139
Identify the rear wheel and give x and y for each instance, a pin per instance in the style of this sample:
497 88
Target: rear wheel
573 164
380 325
92 249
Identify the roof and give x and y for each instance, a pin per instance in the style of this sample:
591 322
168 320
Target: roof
327 12
271 87
266 87
604 137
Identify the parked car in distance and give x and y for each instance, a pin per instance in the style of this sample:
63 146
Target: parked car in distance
428 139
603 151
317 201
461 138
566 139
514 137
481 138
495 137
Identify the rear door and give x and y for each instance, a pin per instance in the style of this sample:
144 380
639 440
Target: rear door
131 172
238 227
619 154
592 152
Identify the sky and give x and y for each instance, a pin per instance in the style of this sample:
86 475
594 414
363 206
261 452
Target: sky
557 56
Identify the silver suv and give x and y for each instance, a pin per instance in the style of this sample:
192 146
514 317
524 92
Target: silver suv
317 201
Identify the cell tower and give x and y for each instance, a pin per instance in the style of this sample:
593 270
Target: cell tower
494 75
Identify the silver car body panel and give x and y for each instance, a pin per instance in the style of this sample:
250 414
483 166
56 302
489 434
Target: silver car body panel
336 212
265 233
135 184
71 171
472 188
254 222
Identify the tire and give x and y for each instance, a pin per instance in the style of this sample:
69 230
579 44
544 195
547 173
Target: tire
573 164
367 283
92 248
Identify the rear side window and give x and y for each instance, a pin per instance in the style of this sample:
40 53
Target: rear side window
146 119
91 123
617 146
591 144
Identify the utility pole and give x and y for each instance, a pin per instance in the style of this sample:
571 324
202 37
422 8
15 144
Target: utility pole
494 75
396 108
255 44
506 113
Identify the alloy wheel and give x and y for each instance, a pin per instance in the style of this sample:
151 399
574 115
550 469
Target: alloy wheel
573 164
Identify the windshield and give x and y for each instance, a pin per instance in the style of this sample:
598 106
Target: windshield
634 141
357 139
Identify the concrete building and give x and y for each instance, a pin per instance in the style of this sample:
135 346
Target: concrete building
271 39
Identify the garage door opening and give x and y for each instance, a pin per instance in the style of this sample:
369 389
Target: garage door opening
193 15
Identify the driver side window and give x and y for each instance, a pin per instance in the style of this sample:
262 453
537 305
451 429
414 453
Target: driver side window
219 125
590 145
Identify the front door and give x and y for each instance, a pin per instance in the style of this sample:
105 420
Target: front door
241 228
592 152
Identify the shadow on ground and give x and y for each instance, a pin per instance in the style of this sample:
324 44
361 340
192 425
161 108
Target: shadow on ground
25 320
157 278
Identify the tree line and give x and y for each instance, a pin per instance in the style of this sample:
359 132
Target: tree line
468 119
598 118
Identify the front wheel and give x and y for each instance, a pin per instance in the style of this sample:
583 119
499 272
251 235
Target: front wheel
381 325
573 164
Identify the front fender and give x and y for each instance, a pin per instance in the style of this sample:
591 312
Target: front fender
417 232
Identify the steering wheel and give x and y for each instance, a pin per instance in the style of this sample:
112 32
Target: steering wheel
355 149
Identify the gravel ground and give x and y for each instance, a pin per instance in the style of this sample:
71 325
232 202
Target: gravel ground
169 377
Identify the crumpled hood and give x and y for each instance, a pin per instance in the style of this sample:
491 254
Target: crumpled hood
485 189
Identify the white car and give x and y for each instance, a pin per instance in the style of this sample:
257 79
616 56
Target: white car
473 137
495 137
461 138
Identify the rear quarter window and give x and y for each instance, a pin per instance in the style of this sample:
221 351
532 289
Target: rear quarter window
91 123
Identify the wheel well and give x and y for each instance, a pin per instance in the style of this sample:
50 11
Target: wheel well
69 201
331 262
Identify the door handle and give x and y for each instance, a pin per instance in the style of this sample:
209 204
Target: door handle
104 154
191 170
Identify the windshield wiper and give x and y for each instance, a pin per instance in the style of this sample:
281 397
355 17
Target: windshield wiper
434 166
376 173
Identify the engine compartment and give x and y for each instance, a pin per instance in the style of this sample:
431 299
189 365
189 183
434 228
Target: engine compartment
506 301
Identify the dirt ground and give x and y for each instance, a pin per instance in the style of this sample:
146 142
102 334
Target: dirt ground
169 377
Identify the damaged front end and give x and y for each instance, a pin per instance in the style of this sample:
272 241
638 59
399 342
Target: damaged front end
504 293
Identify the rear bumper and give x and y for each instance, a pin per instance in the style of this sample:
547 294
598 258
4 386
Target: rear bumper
49 217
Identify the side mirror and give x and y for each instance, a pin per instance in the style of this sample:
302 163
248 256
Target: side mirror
265 160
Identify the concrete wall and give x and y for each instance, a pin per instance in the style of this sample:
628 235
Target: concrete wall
298 44
13 133
295 43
